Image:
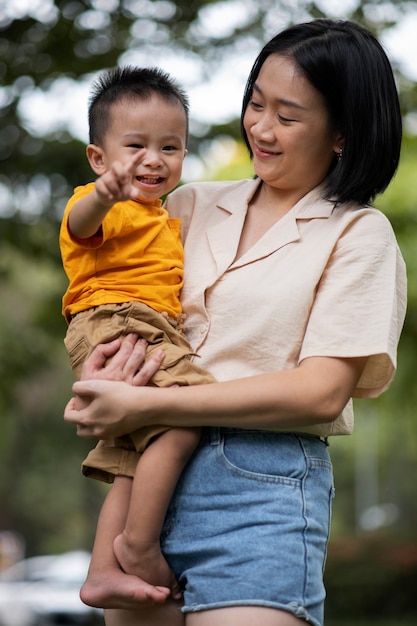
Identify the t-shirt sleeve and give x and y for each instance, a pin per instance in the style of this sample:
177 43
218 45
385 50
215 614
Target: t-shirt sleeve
360 303
115 224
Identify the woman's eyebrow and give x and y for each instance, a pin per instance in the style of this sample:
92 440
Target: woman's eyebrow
289 103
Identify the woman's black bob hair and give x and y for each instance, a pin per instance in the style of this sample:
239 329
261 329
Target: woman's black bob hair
349 67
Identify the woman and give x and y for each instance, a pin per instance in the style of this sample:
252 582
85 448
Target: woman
295 297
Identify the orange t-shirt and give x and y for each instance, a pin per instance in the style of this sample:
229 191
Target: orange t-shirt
137 256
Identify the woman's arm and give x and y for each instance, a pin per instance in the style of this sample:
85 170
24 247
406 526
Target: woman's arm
314 392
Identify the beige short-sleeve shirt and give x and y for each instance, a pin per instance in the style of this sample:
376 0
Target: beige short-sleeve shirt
323 281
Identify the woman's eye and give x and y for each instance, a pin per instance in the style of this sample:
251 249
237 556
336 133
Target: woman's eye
285 120
255 105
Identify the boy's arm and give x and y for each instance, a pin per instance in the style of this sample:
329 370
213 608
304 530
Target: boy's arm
87 214
115 185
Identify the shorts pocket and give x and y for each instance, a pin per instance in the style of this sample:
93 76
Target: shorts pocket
78 350
264 456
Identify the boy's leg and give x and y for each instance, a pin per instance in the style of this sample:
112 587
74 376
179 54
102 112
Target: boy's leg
137 548
107 586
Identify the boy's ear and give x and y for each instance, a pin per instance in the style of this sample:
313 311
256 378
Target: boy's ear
95 156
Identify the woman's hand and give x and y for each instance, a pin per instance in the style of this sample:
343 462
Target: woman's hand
127 363
98 408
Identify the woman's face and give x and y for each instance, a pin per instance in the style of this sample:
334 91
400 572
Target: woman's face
287 125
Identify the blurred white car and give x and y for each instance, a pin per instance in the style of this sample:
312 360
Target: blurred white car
44 591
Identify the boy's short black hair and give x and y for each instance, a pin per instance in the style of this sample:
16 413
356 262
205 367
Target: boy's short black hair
349 67
129 82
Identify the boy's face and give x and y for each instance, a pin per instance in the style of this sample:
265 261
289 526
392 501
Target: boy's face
158 128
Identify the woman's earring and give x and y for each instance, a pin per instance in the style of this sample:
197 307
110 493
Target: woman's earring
339 155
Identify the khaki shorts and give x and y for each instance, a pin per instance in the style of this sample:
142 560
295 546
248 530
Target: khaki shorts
107 322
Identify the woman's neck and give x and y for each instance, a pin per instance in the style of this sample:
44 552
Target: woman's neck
267 207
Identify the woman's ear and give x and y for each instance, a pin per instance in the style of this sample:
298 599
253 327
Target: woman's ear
339 145
95 156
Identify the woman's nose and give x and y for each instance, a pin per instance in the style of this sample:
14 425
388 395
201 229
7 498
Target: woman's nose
263 128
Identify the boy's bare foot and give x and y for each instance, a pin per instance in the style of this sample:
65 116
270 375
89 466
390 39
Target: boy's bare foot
114 589
145 561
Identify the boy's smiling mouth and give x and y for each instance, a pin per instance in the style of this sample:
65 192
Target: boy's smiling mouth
150 180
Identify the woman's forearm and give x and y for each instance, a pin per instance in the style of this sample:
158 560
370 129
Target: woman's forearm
315 392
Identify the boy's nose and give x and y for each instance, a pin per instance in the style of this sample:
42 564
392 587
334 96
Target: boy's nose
152 159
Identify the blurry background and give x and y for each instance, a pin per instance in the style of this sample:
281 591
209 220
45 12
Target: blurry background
49 53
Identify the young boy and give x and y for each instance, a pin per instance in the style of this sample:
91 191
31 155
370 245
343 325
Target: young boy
124 261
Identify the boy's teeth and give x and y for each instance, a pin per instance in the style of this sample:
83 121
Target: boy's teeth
149 180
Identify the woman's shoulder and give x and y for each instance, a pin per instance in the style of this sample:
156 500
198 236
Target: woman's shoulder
365 220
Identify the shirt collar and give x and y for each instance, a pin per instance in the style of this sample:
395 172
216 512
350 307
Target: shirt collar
310 206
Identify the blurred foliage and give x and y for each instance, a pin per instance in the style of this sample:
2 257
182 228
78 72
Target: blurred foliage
371 581
50 45
53 44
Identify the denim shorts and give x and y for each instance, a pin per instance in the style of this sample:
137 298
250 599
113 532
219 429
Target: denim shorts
249 522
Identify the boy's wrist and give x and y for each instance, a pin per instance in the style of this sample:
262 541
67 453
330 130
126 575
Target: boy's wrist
101 202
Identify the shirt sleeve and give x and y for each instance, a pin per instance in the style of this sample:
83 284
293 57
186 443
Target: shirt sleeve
360 302
115 224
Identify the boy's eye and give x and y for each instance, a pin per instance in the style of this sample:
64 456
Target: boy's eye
169 148
136 146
